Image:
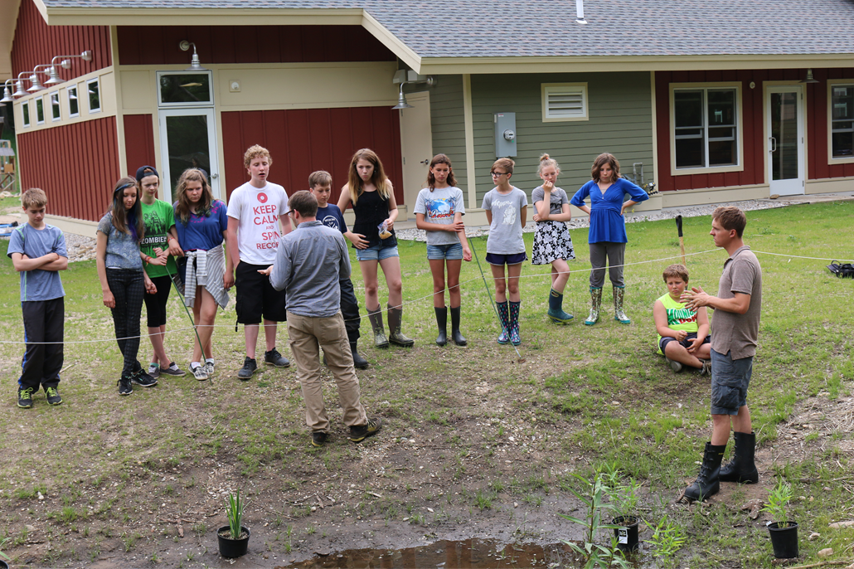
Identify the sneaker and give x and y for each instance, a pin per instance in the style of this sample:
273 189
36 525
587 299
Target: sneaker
153 370
53 396
199 372
209 368
125 387
318 438
674 365
143 379
173 370
274 358
25 397
707 367
249 367
360 433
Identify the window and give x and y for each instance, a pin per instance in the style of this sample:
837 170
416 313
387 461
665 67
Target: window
94 95
25 108
39 111
705 127
184 89
73 103
55 113
842 121
564 102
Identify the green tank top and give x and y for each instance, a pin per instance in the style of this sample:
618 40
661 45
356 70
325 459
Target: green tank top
678 317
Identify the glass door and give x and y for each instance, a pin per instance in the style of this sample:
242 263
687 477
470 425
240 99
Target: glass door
785 140
188 140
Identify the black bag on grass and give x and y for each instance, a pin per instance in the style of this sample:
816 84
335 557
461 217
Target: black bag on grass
841 270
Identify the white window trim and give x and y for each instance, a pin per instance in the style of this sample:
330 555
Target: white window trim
831 83
88 100
193 104
68 100
40 100
545 90
26 120
739 127
58 104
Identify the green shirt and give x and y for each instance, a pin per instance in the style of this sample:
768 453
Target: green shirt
159 218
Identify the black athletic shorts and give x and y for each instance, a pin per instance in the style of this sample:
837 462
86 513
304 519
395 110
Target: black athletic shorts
256 297
155 304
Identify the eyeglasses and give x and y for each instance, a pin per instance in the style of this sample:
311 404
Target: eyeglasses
497 174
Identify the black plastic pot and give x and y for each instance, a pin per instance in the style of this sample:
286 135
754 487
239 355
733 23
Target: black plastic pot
784 539
232 547
627 534
3 564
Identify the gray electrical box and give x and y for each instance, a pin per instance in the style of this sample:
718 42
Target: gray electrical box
505 135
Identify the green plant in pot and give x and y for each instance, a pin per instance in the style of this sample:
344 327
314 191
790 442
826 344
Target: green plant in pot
3 556
784 533
624 500
233 538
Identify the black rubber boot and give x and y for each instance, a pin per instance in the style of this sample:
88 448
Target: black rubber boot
456 336
708 482
442 322
358 361
741 468
395 336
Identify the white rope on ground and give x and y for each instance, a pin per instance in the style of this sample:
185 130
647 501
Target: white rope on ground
14 342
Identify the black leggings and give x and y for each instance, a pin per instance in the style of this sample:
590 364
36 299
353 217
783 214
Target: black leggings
155 304
128 288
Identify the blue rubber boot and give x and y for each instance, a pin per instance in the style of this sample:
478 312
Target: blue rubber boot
556 312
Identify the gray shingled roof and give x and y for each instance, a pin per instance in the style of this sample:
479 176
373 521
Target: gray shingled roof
535 28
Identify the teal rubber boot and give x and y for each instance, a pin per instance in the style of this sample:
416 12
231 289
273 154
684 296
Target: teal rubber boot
556 312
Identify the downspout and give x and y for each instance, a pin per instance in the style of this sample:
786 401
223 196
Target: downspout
579 12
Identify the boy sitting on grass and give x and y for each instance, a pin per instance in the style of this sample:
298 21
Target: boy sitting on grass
683 334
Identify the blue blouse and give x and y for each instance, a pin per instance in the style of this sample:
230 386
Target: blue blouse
606 223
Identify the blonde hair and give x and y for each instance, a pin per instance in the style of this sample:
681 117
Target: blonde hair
545 162
256 151
378 177
34 197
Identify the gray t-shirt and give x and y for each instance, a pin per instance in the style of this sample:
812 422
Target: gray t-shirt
739 333
505 231
38 284
122 249
440 206
557 198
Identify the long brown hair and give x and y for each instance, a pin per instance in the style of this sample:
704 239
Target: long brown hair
431 179
378 177
600 161
184 205
129 221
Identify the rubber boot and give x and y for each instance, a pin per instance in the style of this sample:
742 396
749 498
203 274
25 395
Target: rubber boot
741 468
456 336
442 322
595 305
376 318
504 314
358 361
515 339
395 317
556 312
708 482
619 295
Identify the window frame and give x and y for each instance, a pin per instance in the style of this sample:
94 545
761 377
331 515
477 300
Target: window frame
57 106
97 81
831 83
194 104
739 126
68 99
26 120
546 88
39 100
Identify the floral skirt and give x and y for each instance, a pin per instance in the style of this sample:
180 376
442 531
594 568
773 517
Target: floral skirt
551 242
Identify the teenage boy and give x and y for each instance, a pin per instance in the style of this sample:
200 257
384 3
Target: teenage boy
320 184
315 320
256 210
737 309
683 334
38 252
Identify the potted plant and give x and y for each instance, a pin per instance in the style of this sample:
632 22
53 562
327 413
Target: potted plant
624 498
233 538
784 533
3 564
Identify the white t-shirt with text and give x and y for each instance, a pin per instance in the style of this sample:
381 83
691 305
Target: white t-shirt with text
257 210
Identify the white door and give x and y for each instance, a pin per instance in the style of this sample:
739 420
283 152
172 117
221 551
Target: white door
785 119
416 141
187 140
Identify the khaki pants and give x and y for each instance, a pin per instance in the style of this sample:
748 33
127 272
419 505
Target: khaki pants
305 336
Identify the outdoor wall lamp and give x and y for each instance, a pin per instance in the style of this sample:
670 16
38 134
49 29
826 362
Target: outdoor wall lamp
809 78
409 77
195 64
34 79
19 85
65 63
7 94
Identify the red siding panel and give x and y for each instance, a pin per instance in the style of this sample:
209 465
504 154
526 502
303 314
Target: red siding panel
36 43
139 142
145 45
76 165
302 141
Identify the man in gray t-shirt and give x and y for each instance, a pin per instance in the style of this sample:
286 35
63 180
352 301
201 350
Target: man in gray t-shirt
736 324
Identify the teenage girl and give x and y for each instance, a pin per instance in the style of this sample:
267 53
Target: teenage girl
506 210
552 242
439 211
123 281
202 223
158 246
371 195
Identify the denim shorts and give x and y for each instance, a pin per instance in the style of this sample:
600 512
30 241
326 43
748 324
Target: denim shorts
730 380
501 260
686 343
451 252
376 253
